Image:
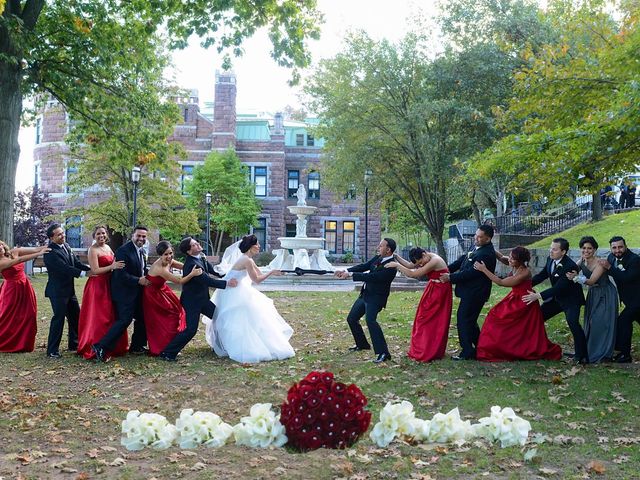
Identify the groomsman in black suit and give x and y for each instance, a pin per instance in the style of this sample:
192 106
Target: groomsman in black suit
563 296
624 266
373 298
62 267
195 296
473 288
126 292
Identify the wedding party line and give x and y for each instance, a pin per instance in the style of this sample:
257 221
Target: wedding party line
243 324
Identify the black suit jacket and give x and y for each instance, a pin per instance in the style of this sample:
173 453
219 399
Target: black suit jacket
377 282
63 266
627 278
563 290
124 281
469 282
196 291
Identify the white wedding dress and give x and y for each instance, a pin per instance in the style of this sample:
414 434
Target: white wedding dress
246 326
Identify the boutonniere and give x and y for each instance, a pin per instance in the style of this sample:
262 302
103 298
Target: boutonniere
559 266
470 255
621 267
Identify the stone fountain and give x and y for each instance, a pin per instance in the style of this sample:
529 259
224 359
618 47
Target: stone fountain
301 244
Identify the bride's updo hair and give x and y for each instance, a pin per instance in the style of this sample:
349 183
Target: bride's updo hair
162 247
247 242
415 254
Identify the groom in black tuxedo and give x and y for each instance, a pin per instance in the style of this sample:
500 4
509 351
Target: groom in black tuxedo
563 296
473 288
624 266
195 295
126 292
372 299
63 266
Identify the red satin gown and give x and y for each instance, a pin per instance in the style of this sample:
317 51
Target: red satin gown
97 313
18 308
164 316
514 330
431 325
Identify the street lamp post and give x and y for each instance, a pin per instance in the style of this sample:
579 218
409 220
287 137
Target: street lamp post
207 198
135 178
367 177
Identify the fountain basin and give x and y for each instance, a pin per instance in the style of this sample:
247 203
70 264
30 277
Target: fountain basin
308 243
302 209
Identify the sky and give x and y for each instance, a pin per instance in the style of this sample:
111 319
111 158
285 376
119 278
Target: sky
261 84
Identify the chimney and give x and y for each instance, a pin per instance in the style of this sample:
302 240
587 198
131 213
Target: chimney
224 111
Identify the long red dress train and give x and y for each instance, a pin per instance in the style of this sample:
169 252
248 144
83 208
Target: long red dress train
18 306
431 325
97 313
514 330
164 316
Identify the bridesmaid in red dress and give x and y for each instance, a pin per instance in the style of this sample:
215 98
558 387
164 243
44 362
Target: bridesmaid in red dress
514 330
164 316
431 325
97 313
18 306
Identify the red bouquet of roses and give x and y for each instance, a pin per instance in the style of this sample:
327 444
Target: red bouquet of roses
320 412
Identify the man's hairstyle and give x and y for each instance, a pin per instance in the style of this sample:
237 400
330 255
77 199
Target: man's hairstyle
140 227
391 243
487 229
617 238
590 240
185 245
563 242
51 228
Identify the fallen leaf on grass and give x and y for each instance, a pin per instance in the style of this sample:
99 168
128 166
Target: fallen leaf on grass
547 471
93 453
530 454
596 467
198 466
118 462
621 459
82 476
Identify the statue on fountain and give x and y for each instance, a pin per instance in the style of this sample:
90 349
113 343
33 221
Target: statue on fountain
302 195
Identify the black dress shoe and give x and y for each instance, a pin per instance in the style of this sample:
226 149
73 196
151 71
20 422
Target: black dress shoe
383 357
457 358
139 351
356 348
54 355
583 361
101 355
167 358
622 358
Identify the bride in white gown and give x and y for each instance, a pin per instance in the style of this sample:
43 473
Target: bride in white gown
246 326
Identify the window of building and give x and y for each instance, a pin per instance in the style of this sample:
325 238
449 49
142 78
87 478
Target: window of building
310 140
290 230
260 231
36 175
259 179
73 231
299 139
351 193
313 190
348 236
293 181
187 176
330 235
185 114
71 170
71 122
38 130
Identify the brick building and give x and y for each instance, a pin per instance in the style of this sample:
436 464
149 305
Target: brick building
280 155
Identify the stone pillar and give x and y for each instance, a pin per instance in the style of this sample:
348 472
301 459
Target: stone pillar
224 111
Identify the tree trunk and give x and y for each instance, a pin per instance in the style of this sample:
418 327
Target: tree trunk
596 206
500 198
440 247
475 209
10 115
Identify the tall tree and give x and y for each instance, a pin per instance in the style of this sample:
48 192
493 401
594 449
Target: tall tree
234 207
576 102
407 117
72 50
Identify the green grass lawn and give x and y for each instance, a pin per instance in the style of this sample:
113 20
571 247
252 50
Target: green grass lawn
625 224
61 419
